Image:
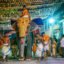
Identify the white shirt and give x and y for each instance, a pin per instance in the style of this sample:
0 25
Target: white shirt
62 42
39 50
46 47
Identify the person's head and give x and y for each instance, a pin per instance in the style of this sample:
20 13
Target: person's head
42 33
38 35
24 6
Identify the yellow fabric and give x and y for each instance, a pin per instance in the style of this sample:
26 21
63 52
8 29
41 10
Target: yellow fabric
54 51
54 44
25 12
22 26
22 31
34 47
23 23
54 48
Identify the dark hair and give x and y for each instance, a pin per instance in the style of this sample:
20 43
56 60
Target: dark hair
63 35
24 6
42 33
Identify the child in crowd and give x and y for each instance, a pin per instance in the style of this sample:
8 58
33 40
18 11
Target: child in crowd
39 51
6 47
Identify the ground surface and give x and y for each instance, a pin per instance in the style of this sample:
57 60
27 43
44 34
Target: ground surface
53 61
45 61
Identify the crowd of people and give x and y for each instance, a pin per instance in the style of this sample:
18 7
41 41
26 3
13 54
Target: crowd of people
5 45
44 47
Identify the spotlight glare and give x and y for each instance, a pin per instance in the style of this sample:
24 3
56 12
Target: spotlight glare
51 20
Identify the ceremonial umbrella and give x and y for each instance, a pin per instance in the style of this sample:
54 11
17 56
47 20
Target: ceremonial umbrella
38 21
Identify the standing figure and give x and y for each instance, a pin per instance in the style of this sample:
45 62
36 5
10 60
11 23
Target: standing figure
6 50
39 49
45 39
62 45
23 24
54 45
46 45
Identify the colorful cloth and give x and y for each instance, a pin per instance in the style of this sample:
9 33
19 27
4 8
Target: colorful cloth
6 50
34 47
22 26
1 43
23 23
39 50
62 42
46 38
25 12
